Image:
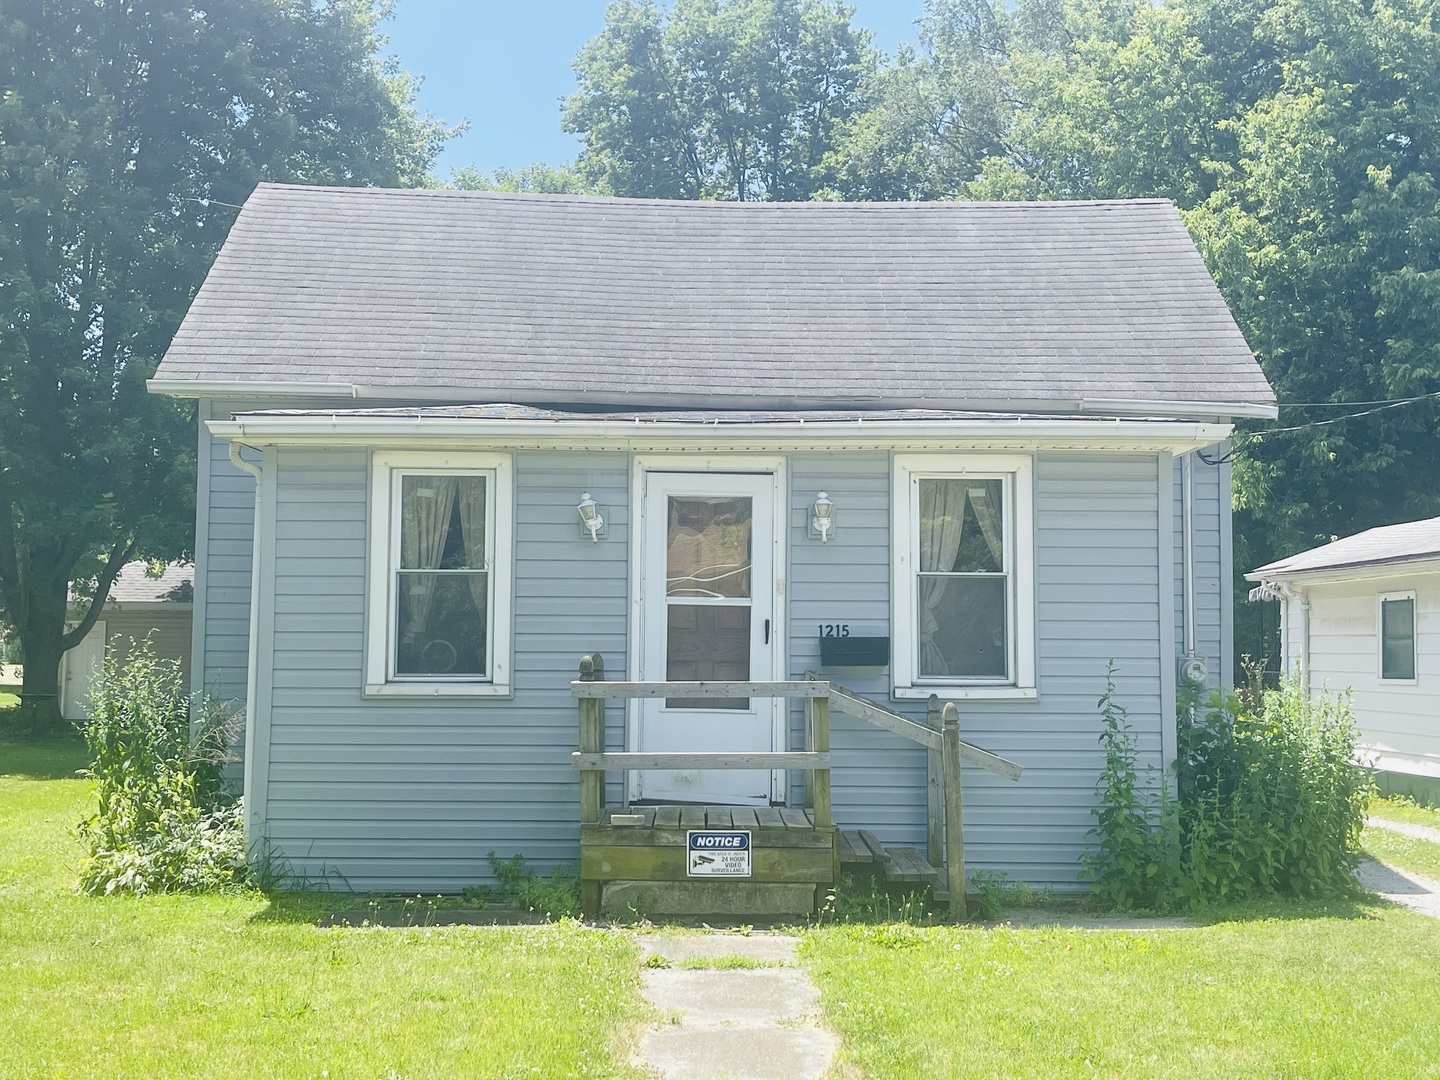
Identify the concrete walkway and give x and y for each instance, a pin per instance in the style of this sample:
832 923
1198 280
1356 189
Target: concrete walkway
1414 891
1419 832
743 1023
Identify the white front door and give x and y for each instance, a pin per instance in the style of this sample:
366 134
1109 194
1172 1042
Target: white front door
82 665
708 612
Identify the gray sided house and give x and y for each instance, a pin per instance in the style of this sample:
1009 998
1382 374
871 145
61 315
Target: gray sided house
451 442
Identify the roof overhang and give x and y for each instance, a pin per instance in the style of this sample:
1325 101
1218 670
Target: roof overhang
1097 407
997 433
1370 571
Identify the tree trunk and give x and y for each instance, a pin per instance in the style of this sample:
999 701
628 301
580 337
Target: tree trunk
42 642
42 602
40 689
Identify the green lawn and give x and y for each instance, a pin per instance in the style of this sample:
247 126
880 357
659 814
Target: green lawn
179 986
8 700
242 985
1404 810
1338 991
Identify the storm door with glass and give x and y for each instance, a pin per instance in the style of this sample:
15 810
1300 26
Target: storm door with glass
708 602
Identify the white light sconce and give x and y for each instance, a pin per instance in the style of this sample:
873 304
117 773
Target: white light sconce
591 519
822 520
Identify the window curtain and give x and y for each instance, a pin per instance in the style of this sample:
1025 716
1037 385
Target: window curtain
427 504
985 501
942 523
472 531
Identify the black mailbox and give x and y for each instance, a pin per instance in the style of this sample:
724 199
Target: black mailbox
854 651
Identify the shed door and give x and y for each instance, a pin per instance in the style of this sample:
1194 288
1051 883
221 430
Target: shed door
82 665
708 593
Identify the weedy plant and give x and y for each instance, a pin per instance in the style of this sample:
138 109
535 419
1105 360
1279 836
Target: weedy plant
1267 800
164 821
555 897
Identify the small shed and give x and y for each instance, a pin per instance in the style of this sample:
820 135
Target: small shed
140 604
1363 614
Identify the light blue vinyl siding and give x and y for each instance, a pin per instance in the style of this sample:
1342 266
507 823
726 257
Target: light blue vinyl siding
1210 484
222 564
1097 598
401 793
410 794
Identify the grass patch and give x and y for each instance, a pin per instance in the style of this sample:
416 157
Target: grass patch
1399 808
8 700
1319 989
1406 852
712 963
181 986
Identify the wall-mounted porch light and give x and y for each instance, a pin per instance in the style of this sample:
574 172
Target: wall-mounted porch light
822 521
591 519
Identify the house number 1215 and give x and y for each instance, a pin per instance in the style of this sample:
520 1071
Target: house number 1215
835 629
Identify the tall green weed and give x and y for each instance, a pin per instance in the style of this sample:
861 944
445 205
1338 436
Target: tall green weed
164 821
1267 800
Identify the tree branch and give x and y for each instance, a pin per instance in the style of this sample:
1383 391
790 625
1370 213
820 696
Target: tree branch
119 556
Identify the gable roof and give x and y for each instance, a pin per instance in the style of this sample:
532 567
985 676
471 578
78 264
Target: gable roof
1409 541
464 296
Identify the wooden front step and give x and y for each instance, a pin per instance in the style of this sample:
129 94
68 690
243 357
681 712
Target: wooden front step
902 865
634 860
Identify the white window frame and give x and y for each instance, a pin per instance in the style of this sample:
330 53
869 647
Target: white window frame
386 469
1414 638
1017 472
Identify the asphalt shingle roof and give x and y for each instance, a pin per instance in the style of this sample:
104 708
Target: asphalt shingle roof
175 585
552 299
1405 542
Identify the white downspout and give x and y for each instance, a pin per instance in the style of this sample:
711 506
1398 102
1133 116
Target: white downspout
253 828
1187 558
1288 594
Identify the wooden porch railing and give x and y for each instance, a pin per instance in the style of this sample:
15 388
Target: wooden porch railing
592 760
945 751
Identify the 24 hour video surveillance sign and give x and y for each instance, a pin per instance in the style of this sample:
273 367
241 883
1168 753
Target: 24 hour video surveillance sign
717 853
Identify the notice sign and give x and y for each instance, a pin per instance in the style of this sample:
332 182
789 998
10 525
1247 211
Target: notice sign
717 853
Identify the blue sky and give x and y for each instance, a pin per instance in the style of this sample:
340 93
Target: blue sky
506 66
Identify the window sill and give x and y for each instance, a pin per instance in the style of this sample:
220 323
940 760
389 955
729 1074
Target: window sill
435 690
967 693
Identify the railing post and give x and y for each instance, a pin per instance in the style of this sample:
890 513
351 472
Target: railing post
592 781
934 792
592 740
954 817
820 778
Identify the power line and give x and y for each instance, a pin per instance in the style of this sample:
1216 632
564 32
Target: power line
1249 438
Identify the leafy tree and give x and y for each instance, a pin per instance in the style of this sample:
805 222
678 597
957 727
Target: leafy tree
934 115
539 178
1297 137
128 133
723 99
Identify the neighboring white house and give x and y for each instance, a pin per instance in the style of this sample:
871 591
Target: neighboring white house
1363 613
138 605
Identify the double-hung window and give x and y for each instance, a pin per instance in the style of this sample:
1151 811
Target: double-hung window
963 590
1397 637
440 581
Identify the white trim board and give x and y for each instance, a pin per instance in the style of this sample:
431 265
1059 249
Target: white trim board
1012 434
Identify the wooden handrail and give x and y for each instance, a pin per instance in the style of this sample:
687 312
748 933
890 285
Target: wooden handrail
701 759
796 688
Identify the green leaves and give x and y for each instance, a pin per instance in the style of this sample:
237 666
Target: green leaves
723 99
1268 801
127 129
163 821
